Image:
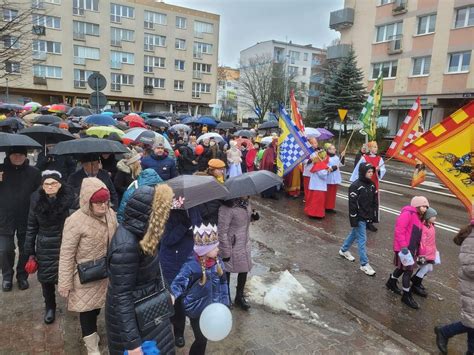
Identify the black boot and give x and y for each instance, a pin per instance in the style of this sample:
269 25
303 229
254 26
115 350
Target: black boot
49 315
392 285
407 298
241 301
417 287
441 340
371 227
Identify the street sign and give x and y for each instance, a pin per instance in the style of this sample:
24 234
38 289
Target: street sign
97 99
97 82
342 113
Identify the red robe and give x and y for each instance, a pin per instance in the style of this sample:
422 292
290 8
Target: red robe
316 200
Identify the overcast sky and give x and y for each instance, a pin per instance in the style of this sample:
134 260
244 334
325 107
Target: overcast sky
246 22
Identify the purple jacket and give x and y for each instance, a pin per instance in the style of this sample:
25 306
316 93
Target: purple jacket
408 229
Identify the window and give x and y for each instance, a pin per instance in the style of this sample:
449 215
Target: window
10 42
85 28
385 2
47 21
464 17
179 64
47 71
202 87
119 34
201 67
421 66
152 18
294 55
153 62
387 32
180 43
426 24
154 40
305 57
119 11
13 67
55 2
303 86
200 47
46 47
118 58
388 69
122 79
179 85
181 22
80 77
203 27
156 83
304 71
459 62
86 52
9 15
292 69
89 5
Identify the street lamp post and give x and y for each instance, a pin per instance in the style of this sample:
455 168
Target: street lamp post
7 93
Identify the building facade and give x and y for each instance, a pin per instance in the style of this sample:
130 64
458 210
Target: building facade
421 48
155 56
227 93
300 63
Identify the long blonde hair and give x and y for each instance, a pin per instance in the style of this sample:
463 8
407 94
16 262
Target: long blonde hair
202 261
162 201
136 169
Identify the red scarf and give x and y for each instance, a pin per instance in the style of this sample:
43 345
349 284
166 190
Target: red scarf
209 262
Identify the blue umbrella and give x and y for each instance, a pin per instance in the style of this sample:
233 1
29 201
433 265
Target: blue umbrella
108 113
100 120
189 119
209 121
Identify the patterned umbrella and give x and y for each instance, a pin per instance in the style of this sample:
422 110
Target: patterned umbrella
59 108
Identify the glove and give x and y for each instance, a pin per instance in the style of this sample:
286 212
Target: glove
334 168
421 260
255 216
226 259
405 251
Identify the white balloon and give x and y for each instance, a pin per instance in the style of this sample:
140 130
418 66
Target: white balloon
215 321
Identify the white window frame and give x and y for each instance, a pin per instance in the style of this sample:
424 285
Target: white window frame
426 30
81 76
9 15
305 57
52 22
387 37
156 83
152 40
178 66
122 57
117 12
203 27
201 47
41 46
179 85
203 88
122 79
202 67
181 22
151 62
47 70
390 70
304 71
422 66
178 42
469 12
15 67
86 52
154 18
87 5
114 31
385 2
461 60
86 28
14 42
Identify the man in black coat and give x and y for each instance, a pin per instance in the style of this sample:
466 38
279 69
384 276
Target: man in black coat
187 164
90 167
18 180
65 164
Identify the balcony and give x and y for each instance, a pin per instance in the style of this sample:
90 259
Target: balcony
196 95
317 79
116 18
338 51
115 87
149 47
148 89
314 93
197 74
116 43
37 4
198 34
39 80
341 19
197 55
78 11
399 7
394 46
39 55
149 25
79 36
79 84
115 64
79 61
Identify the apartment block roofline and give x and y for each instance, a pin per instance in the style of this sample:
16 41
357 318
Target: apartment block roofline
184 10
289 43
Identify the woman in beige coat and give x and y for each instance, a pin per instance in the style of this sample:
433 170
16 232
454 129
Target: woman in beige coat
87 233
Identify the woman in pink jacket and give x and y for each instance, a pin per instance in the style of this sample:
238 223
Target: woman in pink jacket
407 237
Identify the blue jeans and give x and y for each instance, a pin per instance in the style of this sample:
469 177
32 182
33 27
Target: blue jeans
457 328
358 233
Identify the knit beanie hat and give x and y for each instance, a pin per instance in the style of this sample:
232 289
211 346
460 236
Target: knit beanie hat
205 238
419 201
101 195
51 174
430 212
159 143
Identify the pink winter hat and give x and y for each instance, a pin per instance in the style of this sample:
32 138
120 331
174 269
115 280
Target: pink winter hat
419 201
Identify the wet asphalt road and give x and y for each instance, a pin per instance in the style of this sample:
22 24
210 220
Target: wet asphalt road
312 246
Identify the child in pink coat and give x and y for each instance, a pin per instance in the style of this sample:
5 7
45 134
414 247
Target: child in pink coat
426 253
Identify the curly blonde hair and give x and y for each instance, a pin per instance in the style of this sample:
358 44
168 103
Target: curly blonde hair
160 211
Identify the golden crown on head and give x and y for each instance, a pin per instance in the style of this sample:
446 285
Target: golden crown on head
205 235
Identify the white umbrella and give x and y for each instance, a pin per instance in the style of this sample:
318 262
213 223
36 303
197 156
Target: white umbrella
133 134
266 140
180 126
210 135
311 132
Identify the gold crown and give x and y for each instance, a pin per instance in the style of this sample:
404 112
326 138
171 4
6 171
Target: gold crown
205 235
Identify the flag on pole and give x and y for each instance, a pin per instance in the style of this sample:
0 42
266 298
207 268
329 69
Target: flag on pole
293 147
371 111
410 130
295 112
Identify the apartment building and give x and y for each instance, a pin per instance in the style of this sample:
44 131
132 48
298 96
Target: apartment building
227 93
421 47
155 56
300 61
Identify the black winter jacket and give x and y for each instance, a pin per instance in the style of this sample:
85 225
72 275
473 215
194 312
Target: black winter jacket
16 187
185 160
75 181
204 158
45 230
65 164
132 276
363 198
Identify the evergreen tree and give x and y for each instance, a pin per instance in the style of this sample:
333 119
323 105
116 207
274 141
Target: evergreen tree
344 89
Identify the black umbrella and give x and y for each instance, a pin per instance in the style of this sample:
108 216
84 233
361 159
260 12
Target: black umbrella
73 127
47 134
225 125
5 107
119 115
268 125
12 122
244 133
156 122
79 111
193 190
251 183
8 140
88 146
46 119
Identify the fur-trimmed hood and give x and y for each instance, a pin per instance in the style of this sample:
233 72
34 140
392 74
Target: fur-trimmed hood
123 167
53 209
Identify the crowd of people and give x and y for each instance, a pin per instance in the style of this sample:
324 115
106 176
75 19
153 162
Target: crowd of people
103 229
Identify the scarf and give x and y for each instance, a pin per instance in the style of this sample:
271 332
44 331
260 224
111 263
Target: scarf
209 262
240 202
